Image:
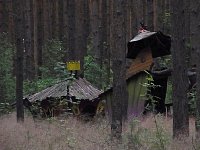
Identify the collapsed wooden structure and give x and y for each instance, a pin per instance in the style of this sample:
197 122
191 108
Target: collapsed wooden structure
77 96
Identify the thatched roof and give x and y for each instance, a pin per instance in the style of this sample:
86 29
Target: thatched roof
80 88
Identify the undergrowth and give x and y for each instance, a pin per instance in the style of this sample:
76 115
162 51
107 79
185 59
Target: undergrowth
72 133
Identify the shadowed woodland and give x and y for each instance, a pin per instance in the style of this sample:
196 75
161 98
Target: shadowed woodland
126 72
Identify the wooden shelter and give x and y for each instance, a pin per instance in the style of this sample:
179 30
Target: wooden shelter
136 77
143 49
72 95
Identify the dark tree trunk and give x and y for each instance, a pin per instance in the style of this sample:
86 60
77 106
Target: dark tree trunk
61 25
80 39
55 19
1 16
29 68
179 78
40 35
167 17
65 29
94 21
108 41
35 37
19 35
118 58
71 30
150 15
195 39
10 20
47 22
159 13
86 30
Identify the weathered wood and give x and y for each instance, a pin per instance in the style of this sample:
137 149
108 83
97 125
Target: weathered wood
142 62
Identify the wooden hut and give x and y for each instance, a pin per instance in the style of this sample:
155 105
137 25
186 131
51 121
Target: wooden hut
136 77
72 95
143 49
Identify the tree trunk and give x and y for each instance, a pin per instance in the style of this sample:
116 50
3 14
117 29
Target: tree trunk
108 40
1 16
40 35
118 58
19 36
80 39
94 21
71 30
10 21
55 19
195 39
47 22
65 34
150 15
61 19
159 13
167 17
179 78
35 37
29 69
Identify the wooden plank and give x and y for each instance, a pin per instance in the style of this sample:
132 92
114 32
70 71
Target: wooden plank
141 63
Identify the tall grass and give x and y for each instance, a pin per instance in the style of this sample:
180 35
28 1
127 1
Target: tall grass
72 133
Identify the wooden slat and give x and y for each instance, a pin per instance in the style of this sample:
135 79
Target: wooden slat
141 63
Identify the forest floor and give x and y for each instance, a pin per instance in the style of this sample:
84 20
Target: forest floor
72 133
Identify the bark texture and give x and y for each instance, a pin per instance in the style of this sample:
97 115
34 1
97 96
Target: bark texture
118 59
179 78
195 39
19 36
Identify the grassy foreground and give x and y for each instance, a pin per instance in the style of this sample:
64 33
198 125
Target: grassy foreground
150 133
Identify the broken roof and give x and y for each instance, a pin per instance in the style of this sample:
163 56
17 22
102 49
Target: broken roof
80 88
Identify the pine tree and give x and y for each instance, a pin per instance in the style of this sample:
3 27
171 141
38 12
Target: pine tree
19 36
179 76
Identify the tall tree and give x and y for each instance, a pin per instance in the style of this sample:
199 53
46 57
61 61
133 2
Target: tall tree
19 36
55 19
61 19
80 36
40 35
71 29
29 66
179 76
150 14
1 16
94 21
10 24
195 39
47 20
118 59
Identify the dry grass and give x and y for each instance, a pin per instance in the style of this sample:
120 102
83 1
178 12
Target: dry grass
73 133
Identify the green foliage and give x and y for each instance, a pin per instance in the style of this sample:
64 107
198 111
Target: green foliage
5 108
192 101
53 54
149 86
95 73
7 82
31 87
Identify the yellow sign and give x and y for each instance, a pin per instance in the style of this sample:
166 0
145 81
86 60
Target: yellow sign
73 65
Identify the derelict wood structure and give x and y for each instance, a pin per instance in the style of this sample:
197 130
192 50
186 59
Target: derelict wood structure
135 78
71 95
143 48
